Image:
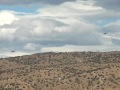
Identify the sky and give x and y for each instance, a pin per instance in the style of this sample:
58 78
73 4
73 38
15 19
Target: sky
34 26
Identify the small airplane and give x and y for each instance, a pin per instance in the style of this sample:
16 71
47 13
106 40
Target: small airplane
13 51
105 33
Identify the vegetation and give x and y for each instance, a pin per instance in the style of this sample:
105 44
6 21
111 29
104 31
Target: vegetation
62 71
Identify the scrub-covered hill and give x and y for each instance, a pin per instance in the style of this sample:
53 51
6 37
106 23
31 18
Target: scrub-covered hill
61 71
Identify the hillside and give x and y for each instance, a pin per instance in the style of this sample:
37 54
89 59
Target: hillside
61 71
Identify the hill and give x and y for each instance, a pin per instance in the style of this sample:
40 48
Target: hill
61 71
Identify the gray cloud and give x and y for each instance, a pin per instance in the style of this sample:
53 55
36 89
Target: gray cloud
116 41
44 32
15 2
109 4
59 26
112 27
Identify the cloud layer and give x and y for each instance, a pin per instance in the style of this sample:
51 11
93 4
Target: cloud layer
109 4
70 26
16 2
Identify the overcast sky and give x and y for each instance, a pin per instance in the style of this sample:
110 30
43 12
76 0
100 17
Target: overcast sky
32 26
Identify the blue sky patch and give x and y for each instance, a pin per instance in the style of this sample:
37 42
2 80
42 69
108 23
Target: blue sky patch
21 8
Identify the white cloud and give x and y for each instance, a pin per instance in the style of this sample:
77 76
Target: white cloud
72 48
13 54
69 9
32 46
66 27
7 33
7 17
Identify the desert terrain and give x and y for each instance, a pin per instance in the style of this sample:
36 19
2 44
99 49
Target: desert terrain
61 71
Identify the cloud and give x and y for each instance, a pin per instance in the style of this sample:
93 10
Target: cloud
7 17
72 48
32 47
24 2
116 41
112 27
10 54
70 26
50 32
7 34
109 4
70 9
112 31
